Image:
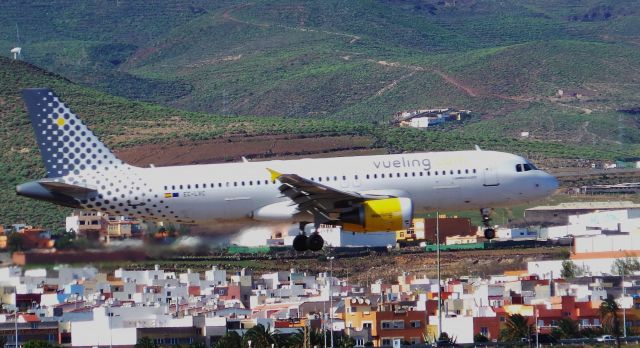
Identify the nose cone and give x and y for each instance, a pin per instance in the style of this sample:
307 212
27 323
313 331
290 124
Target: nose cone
548 184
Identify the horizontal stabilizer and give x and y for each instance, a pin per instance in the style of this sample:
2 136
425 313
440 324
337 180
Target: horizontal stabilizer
67 189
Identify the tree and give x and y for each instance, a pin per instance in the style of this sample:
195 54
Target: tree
517 327
39 344
230 340
567 328
260 336
610 319
14 242
480 338
570 270
625 266
146 342
445 340
345 341
314 338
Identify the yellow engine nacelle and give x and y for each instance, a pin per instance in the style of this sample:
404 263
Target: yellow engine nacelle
389 214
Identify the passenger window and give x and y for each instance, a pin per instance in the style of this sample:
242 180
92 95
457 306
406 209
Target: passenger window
406 174
266 182
356 177
413 173
459 171
165 188
189 187
344 177
367 176
474 171
375 176
235 183
181 187
451 172
466 171
257 182
435 172
328 179
319 179
173 187
382 175
428 173
196 185
242 183
421 173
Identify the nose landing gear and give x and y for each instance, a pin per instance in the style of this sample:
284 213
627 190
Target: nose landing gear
489 231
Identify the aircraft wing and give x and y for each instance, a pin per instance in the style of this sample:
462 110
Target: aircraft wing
318 199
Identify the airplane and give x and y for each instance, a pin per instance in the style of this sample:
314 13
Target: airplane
361 194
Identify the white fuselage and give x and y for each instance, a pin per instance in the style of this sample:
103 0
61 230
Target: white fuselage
212 193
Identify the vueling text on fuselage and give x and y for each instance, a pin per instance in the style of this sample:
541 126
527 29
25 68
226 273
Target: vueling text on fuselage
425 163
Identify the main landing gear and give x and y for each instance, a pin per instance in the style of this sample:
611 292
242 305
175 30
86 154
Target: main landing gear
302 242
489 231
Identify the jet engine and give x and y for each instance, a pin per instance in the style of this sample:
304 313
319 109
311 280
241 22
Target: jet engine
389 214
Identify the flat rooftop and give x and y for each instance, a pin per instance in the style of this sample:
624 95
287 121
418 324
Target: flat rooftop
589 206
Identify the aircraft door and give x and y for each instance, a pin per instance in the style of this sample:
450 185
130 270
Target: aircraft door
491 177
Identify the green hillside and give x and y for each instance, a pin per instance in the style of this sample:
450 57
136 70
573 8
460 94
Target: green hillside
358 60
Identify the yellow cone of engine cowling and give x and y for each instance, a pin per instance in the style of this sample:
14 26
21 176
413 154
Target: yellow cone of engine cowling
380 215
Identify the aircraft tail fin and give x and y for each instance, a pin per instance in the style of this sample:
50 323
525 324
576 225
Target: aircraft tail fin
66 144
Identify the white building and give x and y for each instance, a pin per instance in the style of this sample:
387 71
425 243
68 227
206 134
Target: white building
420 122
336 237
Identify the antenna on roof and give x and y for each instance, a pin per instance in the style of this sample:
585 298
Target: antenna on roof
478 148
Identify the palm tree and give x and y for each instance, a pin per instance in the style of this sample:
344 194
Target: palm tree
230 340
610 319
314 338
345 341
260 336
567 328
146 342
517 327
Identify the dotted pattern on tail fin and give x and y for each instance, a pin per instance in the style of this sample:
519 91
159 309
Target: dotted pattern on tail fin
66 144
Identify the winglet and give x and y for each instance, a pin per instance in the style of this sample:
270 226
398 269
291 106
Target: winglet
274 175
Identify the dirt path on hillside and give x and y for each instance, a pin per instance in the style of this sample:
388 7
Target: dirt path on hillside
227 15
455 82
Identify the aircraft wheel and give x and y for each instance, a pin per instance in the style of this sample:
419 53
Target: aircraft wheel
300 242
489 233
315 242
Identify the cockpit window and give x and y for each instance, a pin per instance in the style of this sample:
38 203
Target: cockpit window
525 167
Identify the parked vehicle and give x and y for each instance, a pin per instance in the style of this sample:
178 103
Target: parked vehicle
606 338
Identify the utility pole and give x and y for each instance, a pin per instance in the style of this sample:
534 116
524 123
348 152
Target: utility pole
331 296
438 271
15 317
624 303
535 315
324 322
